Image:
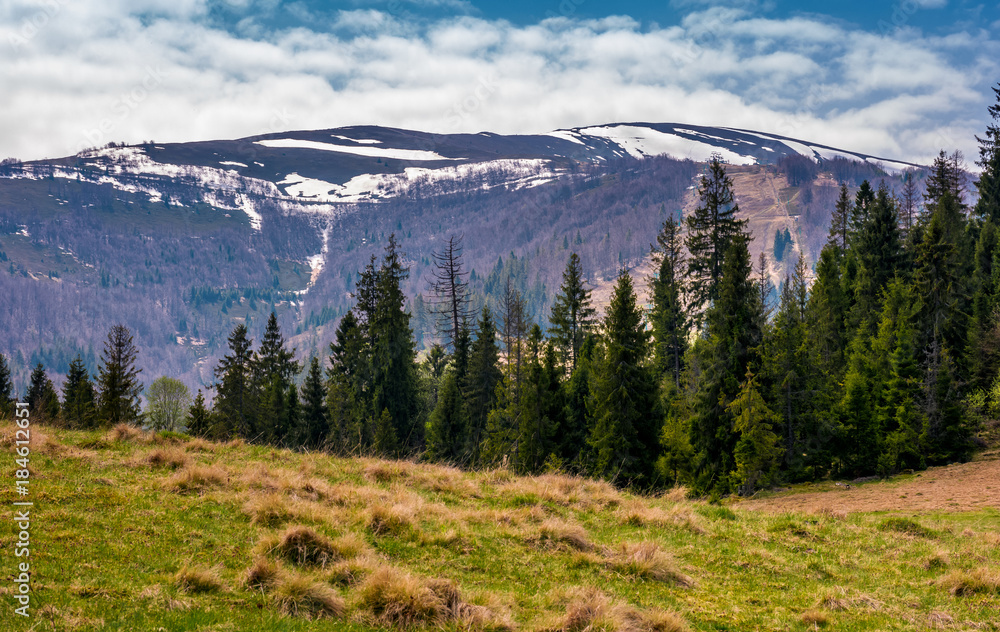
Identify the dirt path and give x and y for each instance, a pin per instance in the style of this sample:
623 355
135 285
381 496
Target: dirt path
960 487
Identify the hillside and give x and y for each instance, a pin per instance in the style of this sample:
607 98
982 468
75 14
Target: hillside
138 531
183 241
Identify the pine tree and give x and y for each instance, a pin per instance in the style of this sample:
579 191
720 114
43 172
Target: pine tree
273 370
572 315
199 423
669 318
481 385
273 420
79 399
711 229
864 199
940 277
6 389
826 316
857 412
945 177
624 393
293 415
314 426
576 417
435 365
757 450
732 348
237 398
118 379
983 345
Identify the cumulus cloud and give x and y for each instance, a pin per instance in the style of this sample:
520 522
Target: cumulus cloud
77 76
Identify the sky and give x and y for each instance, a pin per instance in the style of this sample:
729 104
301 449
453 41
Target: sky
899 80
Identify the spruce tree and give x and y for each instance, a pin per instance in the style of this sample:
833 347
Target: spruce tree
118 379
537 427
349 382
199 422
293 416
237 397
451 290
576 418
393 358
6 389
481 384
840 221
79 399
624 393
732 348
757 451
988 184
879 247
446 428
572 315
669 317
983 344
314 423
711 229
273 358
941 278
41 396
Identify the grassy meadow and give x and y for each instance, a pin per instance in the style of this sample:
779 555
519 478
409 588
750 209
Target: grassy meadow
136 531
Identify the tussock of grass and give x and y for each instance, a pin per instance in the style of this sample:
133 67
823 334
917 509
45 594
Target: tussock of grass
351 572
198 580
814 618
978 581
640 514
196 478
167 457
395 520
937 561
590 609
125 433
906 526
841 602
557 532
647 561
269 510
197 444
302 596
716 512
261 575
304 547
568 491
397 598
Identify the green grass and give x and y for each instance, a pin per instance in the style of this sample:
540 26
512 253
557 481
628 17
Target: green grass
241 537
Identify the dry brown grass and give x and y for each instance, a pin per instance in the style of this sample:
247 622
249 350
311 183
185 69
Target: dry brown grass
167 457
395 520
305 547
352 572
301 596
261 575
198 580
195 478
197 444
589 610
556 533
978 581
647 561
637 513
126 433
162 600
568 491
937 561
396 598
815 618
269 510
838 600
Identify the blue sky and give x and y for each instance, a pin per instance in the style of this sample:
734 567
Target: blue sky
897 79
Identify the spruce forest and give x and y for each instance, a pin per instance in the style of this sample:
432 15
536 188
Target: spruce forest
883 359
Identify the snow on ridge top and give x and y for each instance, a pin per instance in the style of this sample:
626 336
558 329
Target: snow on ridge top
641 142
361 141
566 134
232 163
374 152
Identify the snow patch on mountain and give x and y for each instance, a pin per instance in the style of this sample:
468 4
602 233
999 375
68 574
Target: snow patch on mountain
641 142
373 152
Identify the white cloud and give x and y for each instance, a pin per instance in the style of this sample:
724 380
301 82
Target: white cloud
86 75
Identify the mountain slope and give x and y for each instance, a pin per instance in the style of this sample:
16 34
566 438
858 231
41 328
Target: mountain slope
180 241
